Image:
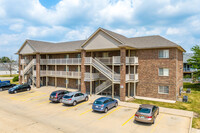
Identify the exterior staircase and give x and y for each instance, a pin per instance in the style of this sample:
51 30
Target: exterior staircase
103 86
107 72
29 66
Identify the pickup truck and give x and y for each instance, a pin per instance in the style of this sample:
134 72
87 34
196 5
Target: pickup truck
6 86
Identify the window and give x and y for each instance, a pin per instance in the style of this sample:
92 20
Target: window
105 54
163 53
163 89
67 56
78 55
163 72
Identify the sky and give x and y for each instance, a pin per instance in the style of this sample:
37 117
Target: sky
69 20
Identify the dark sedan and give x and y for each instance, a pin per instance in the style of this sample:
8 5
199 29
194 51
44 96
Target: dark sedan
57 96
147 113
6 86
103 104
19 88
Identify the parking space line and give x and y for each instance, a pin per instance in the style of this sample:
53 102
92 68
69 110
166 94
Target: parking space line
74 106
128 120
109 113
27 96
153 129
43 102
86 112
37 99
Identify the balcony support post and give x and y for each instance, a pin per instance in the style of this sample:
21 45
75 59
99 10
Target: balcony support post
46 71
55 76
66 81
123 74
83 87
113 90
20 69
37 70
113 67
129 72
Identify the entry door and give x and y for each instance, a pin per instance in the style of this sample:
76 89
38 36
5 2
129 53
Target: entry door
132 89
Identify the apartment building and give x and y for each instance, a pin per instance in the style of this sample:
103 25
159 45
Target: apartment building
107 63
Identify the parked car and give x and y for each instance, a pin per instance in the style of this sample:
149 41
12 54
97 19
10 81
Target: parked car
103 104
147 113
19 88
57 96
73 98
6 86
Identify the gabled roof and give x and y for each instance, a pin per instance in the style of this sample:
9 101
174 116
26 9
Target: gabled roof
49 47
145 42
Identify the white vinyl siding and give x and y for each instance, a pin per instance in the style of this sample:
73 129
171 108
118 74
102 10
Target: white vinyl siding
163 89
163 53
163 72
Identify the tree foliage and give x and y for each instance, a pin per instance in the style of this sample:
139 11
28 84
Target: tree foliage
194 61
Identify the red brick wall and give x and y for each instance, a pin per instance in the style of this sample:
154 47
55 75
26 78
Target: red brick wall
149 80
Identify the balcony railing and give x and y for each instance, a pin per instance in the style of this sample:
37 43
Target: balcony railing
132 77
91 77
67 61
116 60
189 70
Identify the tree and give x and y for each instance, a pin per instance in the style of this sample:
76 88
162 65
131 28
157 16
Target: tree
8 63
194 61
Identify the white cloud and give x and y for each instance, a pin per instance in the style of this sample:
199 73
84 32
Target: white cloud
16 27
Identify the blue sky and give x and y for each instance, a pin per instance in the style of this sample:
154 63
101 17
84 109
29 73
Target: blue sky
68 20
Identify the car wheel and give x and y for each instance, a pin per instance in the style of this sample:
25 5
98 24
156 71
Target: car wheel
86 98
1 89
153 121
15 92
60 100
116 104
74 103
106 110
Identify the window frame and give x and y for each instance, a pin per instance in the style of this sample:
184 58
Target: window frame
163 72
163 90
163 54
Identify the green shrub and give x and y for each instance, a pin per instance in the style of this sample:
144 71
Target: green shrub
193 86
16 78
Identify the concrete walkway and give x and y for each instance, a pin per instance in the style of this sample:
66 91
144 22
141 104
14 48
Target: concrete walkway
6 78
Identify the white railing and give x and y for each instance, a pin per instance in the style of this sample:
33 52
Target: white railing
106 60
132 60
103 86
33 62
131 77
117 77
116 60
91 76
88 60
68 61
74 74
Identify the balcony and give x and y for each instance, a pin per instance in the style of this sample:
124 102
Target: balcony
115 60
132 77
91 76
189 70
67 61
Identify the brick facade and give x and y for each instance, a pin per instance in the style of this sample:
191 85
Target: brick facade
148 69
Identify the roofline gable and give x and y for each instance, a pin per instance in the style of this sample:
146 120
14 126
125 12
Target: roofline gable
100 29
26 42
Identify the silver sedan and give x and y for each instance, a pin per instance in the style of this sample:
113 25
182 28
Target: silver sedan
73 98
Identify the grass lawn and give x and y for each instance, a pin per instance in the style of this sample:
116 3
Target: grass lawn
192 105
13 75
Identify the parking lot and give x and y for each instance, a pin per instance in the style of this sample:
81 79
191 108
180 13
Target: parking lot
31 111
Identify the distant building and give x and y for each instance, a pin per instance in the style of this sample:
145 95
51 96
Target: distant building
5 71
187 69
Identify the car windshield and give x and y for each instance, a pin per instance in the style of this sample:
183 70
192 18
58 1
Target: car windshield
67 96
98 102
144 110
17 86
53 94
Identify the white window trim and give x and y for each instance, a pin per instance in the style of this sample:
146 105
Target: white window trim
163 75
161 92
163 57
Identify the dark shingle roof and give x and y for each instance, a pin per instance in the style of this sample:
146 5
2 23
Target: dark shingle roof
136 42
48 47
